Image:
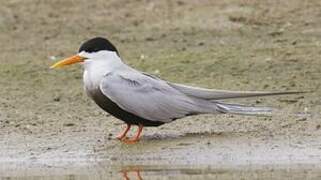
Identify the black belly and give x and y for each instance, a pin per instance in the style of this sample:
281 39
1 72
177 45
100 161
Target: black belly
112 108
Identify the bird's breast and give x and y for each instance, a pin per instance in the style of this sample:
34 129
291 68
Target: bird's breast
91 82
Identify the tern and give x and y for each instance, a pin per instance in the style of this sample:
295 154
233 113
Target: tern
138 98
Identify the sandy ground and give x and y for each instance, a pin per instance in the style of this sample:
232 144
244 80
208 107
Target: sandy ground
49 129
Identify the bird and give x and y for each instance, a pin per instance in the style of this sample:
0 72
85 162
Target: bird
145 100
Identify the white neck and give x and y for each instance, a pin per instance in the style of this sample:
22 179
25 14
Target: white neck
99 64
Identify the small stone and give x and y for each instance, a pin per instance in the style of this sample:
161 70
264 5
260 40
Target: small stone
69 124
302 119
276 33
150 39
201 43
265 86
180 3
53 58
142 56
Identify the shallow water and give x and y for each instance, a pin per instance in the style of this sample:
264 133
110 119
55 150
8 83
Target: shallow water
228 156
174 172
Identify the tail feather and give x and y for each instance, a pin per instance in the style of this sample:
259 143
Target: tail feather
244 109
212 95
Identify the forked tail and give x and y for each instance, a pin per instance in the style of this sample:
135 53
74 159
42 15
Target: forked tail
244 109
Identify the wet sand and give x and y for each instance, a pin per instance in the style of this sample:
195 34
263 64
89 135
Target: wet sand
226 155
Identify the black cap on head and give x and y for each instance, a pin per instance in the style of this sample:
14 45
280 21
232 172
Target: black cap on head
97 44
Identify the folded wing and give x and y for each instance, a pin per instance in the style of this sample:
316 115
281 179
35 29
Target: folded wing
151 98
213 94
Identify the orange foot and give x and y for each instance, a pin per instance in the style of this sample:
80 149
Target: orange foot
125 174
123 134
136 138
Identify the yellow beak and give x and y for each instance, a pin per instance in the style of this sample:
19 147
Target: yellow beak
68 61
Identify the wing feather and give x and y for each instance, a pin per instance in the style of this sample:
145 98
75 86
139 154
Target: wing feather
150 98
213 94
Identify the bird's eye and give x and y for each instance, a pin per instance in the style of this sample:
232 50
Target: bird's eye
92 50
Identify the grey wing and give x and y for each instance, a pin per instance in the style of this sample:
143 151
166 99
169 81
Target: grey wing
213 94
151 98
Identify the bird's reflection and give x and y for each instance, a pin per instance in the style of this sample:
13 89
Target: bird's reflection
128 173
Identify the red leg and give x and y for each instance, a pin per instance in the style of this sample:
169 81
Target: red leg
126 172
139 177
136 138
123 134
125 176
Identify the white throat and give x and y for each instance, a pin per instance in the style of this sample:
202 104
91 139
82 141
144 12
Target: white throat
97 65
